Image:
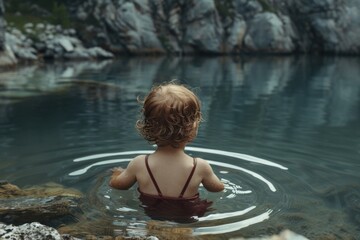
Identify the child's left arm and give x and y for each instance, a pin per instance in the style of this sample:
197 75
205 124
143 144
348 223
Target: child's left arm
123 179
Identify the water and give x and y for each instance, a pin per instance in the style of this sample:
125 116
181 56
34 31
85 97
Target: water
283 133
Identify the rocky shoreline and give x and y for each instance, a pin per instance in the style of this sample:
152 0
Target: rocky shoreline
107 28
39 231
29 214
51 42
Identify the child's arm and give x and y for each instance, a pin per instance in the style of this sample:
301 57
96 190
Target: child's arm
210 181
123 179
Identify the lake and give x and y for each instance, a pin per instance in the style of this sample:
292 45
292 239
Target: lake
283 134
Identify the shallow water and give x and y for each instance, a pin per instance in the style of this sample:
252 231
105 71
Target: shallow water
283 133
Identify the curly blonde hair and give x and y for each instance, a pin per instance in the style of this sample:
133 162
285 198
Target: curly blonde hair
170 115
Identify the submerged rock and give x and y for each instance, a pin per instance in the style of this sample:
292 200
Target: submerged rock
49 203
38 231
284 235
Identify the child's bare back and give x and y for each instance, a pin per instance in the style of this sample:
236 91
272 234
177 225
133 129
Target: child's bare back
170 119
171 170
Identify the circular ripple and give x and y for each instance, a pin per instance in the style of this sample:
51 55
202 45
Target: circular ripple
248 197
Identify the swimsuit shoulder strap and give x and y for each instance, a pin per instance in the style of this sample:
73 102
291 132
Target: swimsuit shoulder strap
189 178
152 176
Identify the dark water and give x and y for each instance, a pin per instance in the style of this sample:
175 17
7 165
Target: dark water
283 133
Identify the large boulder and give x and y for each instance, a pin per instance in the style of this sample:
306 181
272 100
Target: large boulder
203 32
46 204
269 32
121 25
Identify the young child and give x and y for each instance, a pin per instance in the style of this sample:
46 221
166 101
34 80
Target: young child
170 119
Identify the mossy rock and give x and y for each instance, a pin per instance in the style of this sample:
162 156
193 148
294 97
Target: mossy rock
46 203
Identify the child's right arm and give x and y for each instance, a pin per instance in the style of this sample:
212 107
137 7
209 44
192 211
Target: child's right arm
123 179
210 181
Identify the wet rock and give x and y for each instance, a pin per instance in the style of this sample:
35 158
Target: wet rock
66 44
346 196
30 231
49 41
46 203
236 36
284 235
18 43
163 231
7 57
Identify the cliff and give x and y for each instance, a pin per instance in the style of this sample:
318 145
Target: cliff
215 26
2 26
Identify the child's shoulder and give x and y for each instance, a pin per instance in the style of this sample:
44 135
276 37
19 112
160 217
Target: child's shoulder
202 164
139 158
137 161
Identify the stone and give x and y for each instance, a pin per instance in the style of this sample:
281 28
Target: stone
29 231
203 27
97 52
7 57
66 44
40 26
284 235
43 204
2 26
236 36
268 33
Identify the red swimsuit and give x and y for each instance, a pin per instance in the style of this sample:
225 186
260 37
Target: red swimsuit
178 209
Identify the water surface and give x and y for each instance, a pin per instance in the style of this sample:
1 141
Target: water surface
283 133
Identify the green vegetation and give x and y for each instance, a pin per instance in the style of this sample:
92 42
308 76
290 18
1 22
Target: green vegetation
19 21
267 7
225 8
60 15
19 12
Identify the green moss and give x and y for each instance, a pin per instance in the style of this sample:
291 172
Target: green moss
22 6
224 8
58 11
18 21
267 7
60 15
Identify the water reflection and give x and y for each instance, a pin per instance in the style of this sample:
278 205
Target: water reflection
295 121
328 83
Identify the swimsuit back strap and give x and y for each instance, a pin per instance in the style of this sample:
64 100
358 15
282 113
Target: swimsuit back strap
188 180
152 176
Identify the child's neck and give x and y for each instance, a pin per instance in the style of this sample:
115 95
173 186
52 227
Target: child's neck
170 149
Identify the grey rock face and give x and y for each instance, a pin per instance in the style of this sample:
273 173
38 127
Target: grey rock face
206 26
2 26
124 25
270 33
203 30
202 26
327 26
